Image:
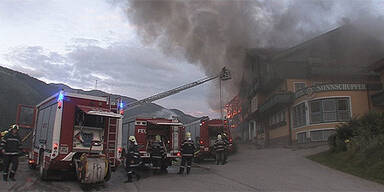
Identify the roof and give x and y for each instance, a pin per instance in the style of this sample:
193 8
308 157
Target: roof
75 95
378 65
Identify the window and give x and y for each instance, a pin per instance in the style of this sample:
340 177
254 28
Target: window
321 135
277 119
254 104
299 86
299 116
329 110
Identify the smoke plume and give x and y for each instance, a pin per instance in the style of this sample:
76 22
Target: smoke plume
217 33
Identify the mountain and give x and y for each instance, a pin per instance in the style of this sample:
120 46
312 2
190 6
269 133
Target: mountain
19 88
185 118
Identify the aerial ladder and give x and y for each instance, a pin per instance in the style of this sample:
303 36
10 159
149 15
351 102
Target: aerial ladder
225 74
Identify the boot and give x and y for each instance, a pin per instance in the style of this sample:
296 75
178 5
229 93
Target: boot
12 176
188 170
129 178
181 171
5 177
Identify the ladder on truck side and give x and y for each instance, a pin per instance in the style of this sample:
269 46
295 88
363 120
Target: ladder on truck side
112 136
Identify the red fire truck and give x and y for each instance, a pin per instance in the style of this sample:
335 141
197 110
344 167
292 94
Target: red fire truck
209 129
171 132
77 132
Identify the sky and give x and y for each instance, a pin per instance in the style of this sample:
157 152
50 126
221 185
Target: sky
79 42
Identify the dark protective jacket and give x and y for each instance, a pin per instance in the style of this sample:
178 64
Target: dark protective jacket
219 145
11 144
133 158
187 148
157 150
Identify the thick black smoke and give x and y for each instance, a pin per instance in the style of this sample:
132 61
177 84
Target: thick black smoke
217 33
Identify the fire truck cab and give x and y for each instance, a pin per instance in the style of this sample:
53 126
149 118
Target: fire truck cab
77 132
171 132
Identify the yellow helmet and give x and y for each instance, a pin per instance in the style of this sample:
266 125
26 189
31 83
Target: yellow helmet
4 133
188 135
132 138
158 138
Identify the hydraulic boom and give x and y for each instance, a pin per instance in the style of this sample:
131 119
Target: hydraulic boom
223 75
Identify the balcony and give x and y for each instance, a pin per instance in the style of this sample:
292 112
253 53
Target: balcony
276 100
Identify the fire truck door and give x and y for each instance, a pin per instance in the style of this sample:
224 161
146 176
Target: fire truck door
25 118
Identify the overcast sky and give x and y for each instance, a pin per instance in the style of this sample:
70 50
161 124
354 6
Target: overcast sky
78 42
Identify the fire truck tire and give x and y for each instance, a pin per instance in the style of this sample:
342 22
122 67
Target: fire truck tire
43 173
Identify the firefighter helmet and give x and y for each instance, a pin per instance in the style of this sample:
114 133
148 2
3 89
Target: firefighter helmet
188 135
158 138
219 137
4 133
14 127
132 138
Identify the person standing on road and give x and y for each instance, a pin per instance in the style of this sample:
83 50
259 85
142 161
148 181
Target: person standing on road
187 152
219 147
157 152
226 140
132 159
10 144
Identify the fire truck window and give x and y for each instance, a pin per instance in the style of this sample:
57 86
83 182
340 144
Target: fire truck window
94 121
83 119
214 131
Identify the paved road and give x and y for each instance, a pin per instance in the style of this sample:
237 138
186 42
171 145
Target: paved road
249 170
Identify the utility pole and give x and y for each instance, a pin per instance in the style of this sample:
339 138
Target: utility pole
221 104
96 85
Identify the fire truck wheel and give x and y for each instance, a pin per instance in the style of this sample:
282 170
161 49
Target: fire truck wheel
43 172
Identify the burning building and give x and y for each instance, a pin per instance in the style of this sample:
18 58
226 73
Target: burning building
301 94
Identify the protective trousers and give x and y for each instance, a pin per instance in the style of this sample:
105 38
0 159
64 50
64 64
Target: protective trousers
8 159
185 162
131 171
219 157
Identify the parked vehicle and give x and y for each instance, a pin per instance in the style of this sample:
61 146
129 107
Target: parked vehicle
77 132
205 136
171 132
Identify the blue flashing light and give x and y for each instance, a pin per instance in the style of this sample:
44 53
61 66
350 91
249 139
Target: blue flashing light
61 96
121 105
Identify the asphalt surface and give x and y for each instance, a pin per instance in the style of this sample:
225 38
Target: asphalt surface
250 169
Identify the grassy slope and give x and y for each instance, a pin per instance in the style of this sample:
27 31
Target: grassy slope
369 167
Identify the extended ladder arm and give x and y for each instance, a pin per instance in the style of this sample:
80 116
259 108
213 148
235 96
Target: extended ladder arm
224 75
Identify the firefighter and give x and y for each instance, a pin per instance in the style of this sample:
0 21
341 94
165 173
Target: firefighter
226 140
132 159
10 144
187 152
219 147
158 154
